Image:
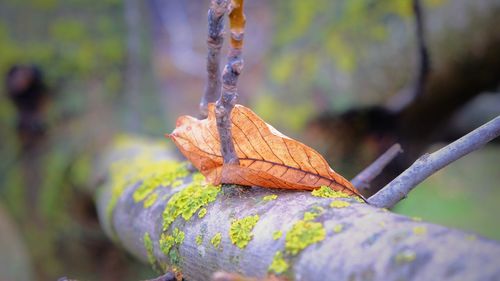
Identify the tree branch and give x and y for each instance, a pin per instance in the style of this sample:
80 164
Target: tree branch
230 75
199 229
423 67
428 164
363 179
215 39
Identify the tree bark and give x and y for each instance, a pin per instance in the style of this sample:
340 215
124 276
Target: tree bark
320 240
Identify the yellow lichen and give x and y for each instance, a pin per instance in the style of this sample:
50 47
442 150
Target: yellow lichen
338 228
405 256
339 204
270 197
309 216
279 265
156 174
327 192
420 230
241 230
202 212
277 234
303 234
189 200
216 240
199 239
176 183
143 168
168 241
148 245
150 200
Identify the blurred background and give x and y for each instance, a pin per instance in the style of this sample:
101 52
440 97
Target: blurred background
347 77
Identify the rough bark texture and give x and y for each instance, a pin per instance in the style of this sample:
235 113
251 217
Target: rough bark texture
354 242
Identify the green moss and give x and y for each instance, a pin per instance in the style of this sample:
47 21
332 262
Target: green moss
270 197
202 212
338 228
339 204
406 256
279 265
150 200
277 234
199 239
148 245
241 230
186 202
303 234
168 241
216 240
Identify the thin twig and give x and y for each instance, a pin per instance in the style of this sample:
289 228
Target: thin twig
230 75
423 67
215 39
363 179
428 164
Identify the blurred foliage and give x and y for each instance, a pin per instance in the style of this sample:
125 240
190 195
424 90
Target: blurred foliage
81 48
317 48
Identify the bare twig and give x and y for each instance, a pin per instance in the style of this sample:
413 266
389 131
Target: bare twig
422 51
363 179
215 39
230 75
428 164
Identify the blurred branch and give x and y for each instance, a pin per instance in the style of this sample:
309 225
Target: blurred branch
230 75
174 20
422 51
428 164
363 179
215 39
410 94
132 71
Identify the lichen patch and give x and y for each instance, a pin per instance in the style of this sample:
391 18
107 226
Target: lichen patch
216 240
241 230
303 234
278 265
189 200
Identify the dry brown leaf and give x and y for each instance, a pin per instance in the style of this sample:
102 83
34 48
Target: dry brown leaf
267 157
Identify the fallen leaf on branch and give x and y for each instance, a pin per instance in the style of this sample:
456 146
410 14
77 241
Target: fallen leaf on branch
267 157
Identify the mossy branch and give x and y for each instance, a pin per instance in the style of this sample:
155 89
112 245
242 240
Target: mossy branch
197 230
